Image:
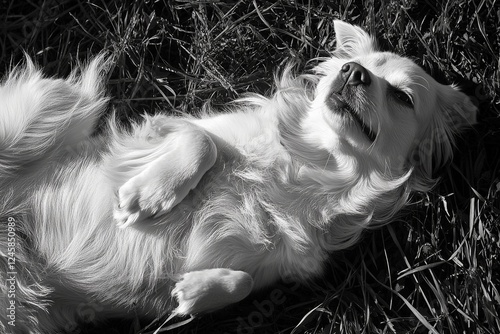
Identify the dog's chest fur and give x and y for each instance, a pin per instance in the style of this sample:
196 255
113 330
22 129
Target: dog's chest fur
246 213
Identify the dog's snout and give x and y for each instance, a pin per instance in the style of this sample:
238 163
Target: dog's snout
355 74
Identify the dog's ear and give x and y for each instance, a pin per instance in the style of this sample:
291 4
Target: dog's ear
352 40
457 108
454 112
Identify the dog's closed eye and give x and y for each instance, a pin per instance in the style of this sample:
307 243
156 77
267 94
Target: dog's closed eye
402 97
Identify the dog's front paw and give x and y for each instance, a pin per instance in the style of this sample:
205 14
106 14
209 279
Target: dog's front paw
140 198
210 289
127 210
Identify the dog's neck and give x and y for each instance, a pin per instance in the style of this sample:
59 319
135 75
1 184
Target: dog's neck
343 186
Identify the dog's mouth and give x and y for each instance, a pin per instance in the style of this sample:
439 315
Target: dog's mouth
340 104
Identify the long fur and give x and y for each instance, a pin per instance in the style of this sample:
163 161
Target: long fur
286 187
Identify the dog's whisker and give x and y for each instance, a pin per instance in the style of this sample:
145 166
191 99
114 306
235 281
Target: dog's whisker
325 167
426 87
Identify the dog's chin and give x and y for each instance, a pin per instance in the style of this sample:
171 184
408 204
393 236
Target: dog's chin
351 119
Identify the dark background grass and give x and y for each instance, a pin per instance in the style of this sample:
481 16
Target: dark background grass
435 268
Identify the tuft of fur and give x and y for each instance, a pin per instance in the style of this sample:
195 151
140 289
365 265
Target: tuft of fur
267 190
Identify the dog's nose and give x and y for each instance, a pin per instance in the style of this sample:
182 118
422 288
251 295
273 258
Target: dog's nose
355 74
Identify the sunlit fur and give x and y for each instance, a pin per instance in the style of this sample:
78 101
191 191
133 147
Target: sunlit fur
293 181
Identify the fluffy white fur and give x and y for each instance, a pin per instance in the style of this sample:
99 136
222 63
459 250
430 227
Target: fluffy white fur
166 216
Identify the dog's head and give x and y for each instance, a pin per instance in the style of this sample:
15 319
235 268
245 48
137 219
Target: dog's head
385 108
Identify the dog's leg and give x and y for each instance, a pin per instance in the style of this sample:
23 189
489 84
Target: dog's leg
42 116
176 156
210 289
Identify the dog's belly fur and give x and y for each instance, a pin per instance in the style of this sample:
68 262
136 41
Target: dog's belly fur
235 218
248 191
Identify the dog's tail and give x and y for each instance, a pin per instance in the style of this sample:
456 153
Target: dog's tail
42 116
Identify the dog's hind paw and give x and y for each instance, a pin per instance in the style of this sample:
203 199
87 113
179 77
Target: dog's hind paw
210 289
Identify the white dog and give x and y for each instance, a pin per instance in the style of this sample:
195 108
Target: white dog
188 215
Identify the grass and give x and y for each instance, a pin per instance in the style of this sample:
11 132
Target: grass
436 268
